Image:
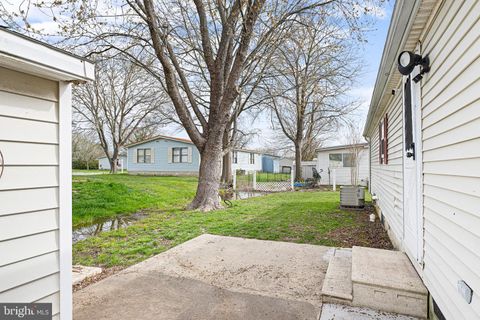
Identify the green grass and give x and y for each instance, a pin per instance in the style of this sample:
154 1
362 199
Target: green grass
99 197
89 171
303 217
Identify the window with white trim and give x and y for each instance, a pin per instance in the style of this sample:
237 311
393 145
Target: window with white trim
341 160
144 155
179 155
252 158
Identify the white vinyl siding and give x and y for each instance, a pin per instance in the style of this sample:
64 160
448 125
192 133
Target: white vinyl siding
451 155
387 179
343 174
244 161
29 194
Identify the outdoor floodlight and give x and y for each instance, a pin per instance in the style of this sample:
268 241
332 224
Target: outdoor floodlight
407 61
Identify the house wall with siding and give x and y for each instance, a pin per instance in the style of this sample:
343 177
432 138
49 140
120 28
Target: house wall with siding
29 230
104 163
243 162
343 175
161 162
387 179
451 157
270 164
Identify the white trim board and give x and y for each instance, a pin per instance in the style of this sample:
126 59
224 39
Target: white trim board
65 198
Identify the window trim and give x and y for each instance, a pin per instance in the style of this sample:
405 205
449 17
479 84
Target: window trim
183 158
142 158
342 161
252 158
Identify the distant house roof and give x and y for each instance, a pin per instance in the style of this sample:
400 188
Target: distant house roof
344 146
157 138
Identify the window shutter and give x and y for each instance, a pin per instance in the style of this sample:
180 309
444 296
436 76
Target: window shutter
385 139
380 142
169 155
135 155
152 155
189 154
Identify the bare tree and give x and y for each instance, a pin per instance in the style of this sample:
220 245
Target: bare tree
122 100
85 149
312 70
201 50
356 146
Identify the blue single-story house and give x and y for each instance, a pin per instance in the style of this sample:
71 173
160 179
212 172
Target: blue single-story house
164 155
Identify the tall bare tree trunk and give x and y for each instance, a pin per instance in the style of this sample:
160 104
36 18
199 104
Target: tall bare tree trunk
227 161
113 165
207 197
227 169
298 162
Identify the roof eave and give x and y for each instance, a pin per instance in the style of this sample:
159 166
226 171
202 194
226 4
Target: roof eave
402 19
20 53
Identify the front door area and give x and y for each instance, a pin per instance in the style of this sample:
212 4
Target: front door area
412 169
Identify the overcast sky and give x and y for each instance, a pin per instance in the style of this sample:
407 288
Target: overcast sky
371 51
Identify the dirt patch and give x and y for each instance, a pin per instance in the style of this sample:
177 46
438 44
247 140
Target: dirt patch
364 233
105 273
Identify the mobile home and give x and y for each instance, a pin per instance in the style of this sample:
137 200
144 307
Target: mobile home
423 130
344 164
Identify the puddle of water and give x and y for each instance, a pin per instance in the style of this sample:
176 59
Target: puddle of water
240 195
116 223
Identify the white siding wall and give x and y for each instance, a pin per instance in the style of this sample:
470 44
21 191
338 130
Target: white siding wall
387 179
29 204
343 175
451 154
243 162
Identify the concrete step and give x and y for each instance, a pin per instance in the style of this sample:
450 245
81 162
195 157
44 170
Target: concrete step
386 280
337 285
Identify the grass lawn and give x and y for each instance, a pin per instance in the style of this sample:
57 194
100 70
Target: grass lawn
303 217
104 196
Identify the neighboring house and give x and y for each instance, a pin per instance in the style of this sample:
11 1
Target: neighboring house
163 155
104 163
424 136
286 165
248 160
35 171
339 161
271 163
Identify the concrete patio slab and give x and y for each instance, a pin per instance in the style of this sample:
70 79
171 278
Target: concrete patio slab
214 277
151 295
269 268
80 273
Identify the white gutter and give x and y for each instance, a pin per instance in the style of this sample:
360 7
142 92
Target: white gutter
25 54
